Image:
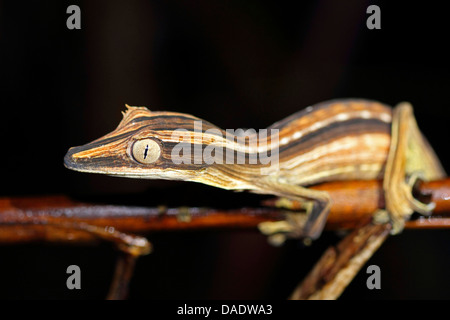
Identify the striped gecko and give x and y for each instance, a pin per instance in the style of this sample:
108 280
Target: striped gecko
350 139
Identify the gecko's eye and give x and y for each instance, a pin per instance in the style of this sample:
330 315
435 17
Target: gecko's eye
146 151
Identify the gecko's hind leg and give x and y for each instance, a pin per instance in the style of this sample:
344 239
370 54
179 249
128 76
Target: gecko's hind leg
297 224
410 159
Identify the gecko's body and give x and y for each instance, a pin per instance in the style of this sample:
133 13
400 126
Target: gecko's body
331 141
334 140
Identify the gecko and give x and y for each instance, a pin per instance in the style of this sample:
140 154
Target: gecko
342 139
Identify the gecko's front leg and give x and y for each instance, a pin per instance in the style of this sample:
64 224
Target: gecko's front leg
296 225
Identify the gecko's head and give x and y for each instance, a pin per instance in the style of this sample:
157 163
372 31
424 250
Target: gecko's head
146 145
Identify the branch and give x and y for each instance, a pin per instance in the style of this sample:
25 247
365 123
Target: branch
24 219
339 264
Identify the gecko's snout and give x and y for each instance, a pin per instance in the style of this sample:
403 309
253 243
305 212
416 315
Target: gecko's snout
96 157
82 158
70 161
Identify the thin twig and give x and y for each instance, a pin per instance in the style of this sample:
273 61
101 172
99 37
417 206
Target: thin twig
122 276
339 264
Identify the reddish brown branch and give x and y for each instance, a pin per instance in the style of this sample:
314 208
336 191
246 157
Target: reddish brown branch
40 218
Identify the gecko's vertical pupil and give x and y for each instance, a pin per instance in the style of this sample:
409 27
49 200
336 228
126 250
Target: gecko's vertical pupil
146 151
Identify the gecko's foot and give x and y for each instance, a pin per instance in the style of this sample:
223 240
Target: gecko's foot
382 216
293 227
401 203
275 231
417 205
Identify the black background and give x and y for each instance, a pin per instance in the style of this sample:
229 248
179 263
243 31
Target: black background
237 64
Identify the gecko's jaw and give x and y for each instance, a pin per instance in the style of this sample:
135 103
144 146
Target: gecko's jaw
91 160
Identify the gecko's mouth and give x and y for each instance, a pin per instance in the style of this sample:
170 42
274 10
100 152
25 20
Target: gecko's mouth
73 162
86 159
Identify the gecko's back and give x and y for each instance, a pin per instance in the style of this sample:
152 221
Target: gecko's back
334 140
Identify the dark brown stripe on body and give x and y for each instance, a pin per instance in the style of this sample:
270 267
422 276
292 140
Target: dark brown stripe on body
347 104
332 132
